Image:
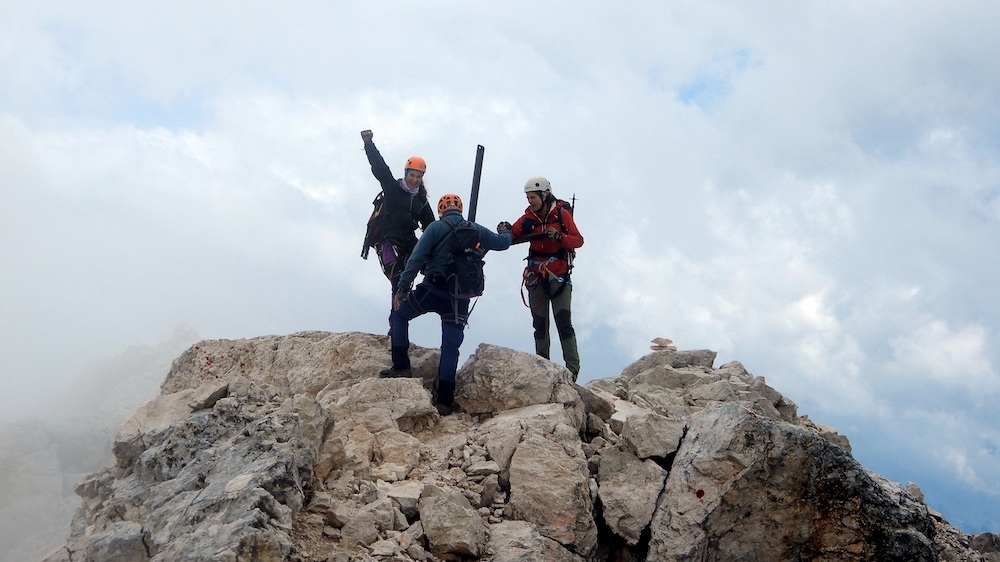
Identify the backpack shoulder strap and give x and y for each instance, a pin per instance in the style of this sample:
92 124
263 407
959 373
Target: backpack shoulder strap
562 209
452 228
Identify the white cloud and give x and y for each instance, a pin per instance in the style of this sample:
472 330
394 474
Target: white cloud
957 357
963 445
959 462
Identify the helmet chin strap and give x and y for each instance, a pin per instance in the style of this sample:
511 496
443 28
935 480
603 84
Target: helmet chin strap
543 211
547 203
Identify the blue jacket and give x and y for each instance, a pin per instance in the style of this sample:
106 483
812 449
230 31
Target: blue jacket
430 252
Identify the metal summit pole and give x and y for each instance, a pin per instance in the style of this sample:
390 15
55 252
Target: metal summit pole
476 175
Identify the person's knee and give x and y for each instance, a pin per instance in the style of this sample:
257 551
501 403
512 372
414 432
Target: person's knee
564 323
452 335
540 323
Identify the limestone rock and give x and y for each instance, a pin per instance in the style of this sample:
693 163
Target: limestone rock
662 344
495 379
629 488
405 494
518 541
451 524
675 359
291 448
122 540
652 435
599 404
502 433
157 416
744 488
301 363
396 454
232 475
551 489
988 544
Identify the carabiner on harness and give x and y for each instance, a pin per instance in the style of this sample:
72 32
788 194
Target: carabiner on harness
543 269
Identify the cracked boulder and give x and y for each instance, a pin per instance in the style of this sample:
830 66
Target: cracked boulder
222 483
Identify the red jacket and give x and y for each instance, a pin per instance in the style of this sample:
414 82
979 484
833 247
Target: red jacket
546 254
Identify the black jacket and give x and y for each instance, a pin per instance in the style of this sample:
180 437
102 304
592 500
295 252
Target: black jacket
402 212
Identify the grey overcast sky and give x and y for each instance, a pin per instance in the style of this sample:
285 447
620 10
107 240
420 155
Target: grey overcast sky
809 188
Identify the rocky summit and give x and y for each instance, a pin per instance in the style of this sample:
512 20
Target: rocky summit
291 448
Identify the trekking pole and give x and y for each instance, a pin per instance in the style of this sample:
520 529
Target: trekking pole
477 173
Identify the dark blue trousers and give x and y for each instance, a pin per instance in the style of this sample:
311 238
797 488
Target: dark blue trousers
454 314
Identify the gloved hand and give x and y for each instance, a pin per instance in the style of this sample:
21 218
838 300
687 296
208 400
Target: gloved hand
503 227
398 298
553 233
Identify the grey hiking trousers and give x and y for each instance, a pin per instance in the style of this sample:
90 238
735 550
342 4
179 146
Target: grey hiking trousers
540 301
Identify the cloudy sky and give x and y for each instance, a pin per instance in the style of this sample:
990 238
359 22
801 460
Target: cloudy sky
809 188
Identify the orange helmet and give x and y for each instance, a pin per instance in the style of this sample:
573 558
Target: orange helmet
416 163
448 202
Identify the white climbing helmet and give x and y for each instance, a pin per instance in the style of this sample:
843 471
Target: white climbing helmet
537 183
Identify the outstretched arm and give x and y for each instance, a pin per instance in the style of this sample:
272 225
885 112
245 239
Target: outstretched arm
492 240
380 169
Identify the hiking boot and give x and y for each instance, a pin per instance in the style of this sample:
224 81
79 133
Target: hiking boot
445 397
392 373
